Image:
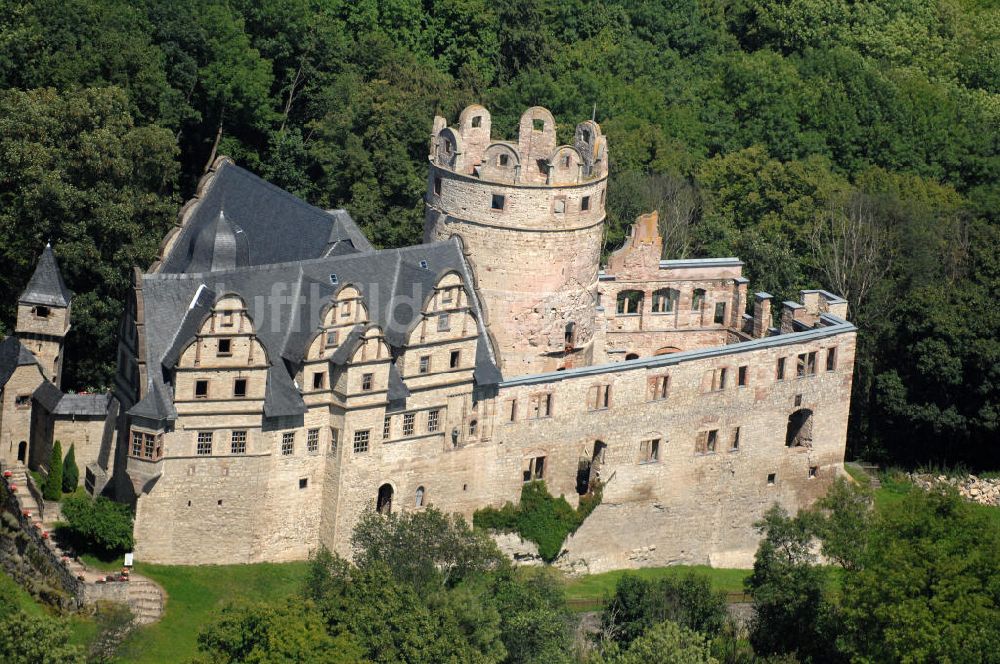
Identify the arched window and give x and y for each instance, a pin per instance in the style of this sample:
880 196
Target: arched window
383 503
665 301
22 451
419 500
631 356
630 301
698 299
799 431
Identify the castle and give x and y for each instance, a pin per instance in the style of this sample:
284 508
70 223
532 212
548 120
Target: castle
277 375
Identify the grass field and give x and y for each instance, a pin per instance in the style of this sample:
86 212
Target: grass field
194 597
587 593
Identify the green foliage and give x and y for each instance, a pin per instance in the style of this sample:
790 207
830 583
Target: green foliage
100 525
535 625
539 517
638 604
70 471
52 490
428 549
28 639
666 643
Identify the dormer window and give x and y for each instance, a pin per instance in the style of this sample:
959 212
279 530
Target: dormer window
334 280
423 265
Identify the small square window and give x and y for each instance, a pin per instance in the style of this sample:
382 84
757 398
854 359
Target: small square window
331 338
741 377
559 206
201 389
312 440
319 379
433 420
498 201
366 382
812 472
649 451
477 121
503 159
361 441
225 347
240 388
444 322
447 295
303 482
425 364
204 443
538 125
771 479
238 442
287 443
585 203
22 401
227 319
454 359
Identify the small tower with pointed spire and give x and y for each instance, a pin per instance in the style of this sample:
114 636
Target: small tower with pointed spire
43 314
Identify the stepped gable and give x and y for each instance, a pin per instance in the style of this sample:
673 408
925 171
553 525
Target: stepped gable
248 221
285 301
12 356
46 286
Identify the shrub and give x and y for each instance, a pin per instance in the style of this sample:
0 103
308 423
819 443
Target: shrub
53 484
101 525
70 471
539 517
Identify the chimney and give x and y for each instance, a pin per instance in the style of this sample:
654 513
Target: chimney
761 314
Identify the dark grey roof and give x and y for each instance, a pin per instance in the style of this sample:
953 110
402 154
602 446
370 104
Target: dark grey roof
157 405
48 396
46 285
12 356
276 226
83 405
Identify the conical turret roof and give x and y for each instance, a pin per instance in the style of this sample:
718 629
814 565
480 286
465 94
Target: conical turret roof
46 286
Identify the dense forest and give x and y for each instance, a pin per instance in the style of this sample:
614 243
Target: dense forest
846 144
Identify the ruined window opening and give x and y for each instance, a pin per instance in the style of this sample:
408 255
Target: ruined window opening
698 299
707 441
238 442
649 451
444 322
433 420
201 389
240 388
303 482
503 159
454 358
734 444
741 377
565 161
585 203
771 479
723 374
419 497
541 405
312 440
204 443
22 401
473 428
535 469
225 348
319 379
559 205
383 502
498 201
630 302
570 335
658 387
586 135
287 443
408 423
799 431
387 427
720 313
806 365
664 301
425 364
366 382
538 125
599 397
812 472
331 338
477 121
831 359
780 371
361 441
437 185
712 441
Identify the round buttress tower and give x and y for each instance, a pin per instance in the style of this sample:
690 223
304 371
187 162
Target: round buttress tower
531 216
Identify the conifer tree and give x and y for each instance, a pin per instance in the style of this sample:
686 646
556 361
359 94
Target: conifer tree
53 485
70 471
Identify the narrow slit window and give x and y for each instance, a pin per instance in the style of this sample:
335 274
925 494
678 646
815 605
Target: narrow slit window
585 203
741 377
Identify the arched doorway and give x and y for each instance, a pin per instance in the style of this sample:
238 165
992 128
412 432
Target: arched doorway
383 504
22 451
799 431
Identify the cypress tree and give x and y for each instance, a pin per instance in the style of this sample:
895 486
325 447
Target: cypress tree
53 485
70 471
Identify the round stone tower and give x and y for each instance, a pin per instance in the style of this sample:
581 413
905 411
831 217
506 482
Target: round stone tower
530 213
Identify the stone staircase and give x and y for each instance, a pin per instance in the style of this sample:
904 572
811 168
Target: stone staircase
145 599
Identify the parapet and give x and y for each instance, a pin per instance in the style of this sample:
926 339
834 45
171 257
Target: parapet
796 316
534 158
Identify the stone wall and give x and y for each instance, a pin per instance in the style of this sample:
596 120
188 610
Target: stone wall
15 419
981 490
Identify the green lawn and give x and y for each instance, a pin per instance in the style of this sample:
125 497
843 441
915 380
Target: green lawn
195 595
587 592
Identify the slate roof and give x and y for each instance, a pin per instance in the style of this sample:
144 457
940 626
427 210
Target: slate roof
269 225
48 396
12 356
286 279
83 405
46 286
